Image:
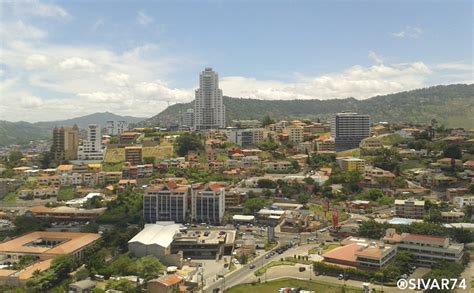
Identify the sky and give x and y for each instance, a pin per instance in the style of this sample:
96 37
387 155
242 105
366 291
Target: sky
63 59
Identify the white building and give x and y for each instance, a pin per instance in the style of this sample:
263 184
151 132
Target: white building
463 201
245 137
209 109
156 239
208 203
91 148
116 127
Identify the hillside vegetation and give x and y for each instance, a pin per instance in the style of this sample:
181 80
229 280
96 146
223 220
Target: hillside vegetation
452 106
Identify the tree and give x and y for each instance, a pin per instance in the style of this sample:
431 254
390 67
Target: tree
453 152
149 267
303 199
121 285
266 183
149 160
267 120
188 142
253 205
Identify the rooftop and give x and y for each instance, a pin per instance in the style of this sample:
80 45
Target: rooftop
161 233
71 241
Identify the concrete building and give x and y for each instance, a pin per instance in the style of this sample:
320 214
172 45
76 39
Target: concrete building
43 246
363 254
351 164
248 137
463 201
134 155
412 209
188 118
209 109
325 145
370 144
295 134
166 284
207 203
348 129
156 239
65 143
91 148
165 202
116 127
428 250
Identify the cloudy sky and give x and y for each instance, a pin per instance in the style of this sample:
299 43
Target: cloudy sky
62 59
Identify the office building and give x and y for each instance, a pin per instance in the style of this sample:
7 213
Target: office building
133 155
245 137
165 202
349 129
116 127
413 209
91 148
428 250
207 203
188 118
209 109
65 143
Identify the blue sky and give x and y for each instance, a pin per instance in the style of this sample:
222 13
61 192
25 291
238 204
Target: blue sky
68 58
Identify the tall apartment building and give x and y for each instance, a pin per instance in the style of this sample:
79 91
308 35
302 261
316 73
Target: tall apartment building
414 209
133 155
208 203
428 250
91 148
348 129
65 143
209 109
165 202
187 119
116 127
295 134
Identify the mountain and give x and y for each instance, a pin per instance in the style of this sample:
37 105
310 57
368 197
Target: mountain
96 118
451 105
20 132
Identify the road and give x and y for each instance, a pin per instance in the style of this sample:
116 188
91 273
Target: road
245 274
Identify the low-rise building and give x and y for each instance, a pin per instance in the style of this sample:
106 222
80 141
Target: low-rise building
166 284
351 164
414 209
428 250
66 214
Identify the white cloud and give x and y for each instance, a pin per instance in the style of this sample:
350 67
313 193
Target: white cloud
144 19
409 32
358 81
77 63
18 30
116 78
30 102
375 57
34 8
36 61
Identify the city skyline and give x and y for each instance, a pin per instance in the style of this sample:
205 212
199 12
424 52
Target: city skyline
62 59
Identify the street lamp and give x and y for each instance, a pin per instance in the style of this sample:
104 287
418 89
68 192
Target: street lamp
222 277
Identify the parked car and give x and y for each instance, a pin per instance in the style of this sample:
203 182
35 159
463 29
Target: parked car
340 277
301 269
252 266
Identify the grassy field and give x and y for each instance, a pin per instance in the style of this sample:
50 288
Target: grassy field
392 139
411 164
261 271
273 286
66 194
10 197
318 210
349 153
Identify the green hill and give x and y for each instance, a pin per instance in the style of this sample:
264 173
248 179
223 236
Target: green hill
20 132
451 105
96 118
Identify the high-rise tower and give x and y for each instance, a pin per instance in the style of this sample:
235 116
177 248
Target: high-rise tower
209 109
